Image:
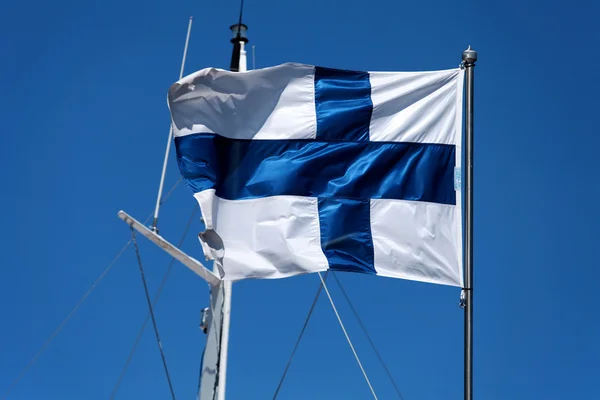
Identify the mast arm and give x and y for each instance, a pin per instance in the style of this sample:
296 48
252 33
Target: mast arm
179 255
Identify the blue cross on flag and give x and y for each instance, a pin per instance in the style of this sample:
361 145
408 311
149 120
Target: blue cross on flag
300 169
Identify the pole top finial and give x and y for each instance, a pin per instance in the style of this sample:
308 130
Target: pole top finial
469 56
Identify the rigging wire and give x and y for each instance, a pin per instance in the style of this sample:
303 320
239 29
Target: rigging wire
79 303
64 322
165 197
346 334
367 335
156 297
312 307
162 354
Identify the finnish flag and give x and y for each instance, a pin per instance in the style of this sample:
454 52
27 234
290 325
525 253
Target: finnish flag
300 169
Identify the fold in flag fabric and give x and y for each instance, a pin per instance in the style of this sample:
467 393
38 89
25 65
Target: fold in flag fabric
300 169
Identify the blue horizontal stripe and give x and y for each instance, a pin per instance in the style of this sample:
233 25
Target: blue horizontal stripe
243 169
343 104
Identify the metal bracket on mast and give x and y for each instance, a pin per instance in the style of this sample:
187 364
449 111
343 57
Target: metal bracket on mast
179 255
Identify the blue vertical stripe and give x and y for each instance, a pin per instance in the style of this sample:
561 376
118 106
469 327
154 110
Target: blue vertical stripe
344 107
346 234
343 104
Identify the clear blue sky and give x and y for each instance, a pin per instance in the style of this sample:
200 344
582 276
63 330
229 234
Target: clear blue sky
84 122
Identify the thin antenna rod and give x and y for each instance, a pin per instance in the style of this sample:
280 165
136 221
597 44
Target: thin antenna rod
164 169
240 21
253 57
185 48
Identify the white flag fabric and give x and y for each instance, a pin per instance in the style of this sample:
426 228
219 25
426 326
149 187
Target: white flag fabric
299 168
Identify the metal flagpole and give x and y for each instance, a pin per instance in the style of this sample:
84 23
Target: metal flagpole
164 169
469 58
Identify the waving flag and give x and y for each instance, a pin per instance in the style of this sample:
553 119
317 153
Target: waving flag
300 169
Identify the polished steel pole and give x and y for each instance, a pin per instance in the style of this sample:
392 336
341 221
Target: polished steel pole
469 58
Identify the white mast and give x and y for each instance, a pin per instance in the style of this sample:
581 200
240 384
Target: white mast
243 67
217 317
